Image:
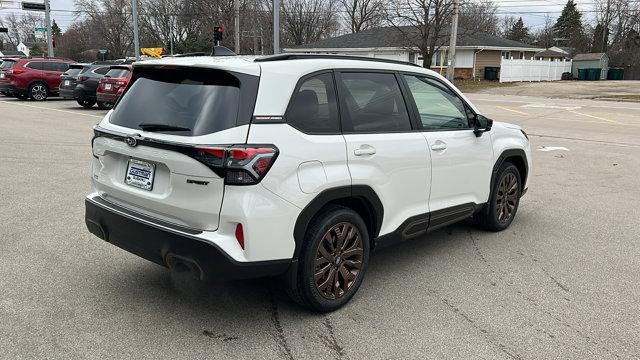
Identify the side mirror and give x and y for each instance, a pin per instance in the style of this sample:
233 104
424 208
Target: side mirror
482 124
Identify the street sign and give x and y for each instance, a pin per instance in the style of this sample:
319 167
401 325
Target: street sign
33 6
42 29
103 51
4 30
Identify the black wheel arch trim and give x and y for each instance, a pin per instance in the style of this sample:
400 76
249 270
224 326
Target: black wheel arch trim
508 154
362 192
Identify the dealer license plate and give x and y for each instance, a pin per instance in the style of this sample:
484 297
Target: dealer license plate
67 83
107 86
140 174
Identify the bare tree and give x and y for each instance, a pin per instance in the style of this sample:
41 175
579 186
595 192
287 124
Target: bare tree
423 24
363 14
480 16
111 24
21 28
307 21
543 37
506 23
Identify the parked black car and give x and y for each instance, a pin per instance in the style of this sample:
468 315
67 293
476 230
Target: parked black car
69 80
87 82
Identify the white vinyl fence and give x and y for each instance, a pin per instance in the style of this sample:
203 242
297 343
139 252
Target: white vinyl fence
532 70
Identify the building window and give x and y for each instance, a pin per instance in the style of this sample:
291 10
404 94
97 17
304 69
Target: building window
440 59
506 55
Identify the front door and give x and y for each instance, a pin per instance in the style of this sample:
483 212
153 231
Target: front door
461 162
383 151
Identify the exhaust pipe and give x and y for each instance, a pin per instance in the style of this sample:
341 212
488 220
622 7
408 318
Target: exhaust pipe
181 264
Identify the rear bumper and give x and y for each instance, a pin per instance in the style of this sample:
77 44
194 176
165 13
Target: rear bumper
6 87
110 98
158 242
67 93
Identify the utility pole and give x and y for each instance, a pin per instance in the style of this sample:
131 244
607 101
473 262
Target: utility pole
276 26
47 18
451 63
236 16
136 40
605 27
171 33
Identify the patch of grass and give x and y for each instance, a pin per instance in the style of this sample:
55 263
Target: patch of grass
470 86
620 97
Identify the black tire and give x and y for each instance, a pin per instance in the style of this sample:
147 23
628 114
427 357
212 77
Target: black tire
86 103
351 259
21 96
104 105
504 200
38 91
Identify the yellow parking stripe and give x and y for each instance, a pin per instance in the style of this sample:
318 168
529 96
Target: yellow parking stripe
599 118
514 111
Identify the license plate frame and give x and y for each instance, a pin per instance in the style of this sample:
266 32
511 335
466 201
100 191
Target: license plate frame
67 82
142 176
107 86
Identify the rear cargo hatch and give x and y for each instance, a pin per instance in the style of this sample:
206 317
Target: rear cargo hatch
153 152
69 79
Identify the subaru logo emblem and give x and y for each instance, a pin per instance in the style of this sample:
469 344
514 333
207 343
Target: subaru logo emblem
131 141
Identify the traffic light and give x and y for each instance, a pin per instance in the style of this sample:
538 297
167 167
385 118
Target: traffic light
217 33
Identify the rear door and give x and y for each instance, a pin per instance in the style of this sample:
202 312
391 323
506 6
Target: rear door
461 161
157 152
383 150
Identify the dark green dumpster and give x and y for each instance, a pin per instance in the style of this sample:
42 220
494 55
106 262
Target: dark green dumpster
593 74
491 73
582 74
615 74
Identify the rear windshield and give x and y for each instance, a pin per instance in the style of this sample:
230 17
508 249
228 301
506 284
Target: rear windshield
73 71
7 64
199 101
117 73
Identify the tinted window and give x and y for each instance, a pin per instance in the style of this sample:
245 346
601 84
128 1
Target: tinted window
6 65
49 66
36 65
374 103
118 73
438 106
73 71
314 108
62 67
204 101
102 70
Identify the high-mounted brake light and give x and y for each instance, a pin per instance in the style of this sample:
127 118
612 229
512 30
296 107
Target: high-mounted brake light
239 164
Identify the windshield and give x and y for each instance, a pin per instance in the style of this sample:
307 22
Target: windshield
186 101
7 64
117 73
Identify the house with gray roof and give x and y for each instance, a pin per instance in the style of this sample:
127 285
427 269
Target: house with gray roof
474 50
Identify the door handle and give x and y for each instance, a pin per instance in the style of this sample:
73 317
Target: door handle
439 146
364 150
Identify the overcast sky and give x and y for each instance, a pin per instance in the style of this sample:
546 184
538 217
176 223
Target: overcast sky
516 8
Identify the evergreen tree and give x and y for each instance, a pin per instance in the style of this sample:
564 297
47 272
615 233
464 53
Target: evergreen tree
569 27
518 32
55 29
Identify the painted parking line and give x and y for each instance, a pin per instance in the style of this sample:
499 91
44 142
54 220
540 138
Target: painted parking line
599 118
47 108
513 111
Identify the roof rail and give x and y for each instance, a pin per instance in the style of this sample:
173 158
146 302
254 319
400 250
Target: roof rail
298 56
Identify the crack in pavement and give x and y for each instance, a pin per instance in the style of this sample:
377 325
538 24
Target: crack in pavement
330 340
279 336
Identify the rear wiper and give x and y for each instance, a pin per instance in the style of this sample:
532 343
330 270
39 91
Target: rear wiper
161 127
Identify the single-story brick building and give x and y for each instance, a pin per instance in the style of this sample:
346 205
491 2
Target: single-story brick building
474 50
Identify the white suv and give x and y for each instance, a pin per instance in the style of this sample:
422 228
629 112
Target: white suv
295 165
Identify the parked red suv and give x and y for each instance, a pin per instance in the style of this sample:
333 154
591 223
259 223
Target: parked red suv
112 85
35 78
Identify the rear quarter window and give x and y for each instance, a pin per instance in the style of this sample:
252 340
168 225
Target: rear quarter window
117 73
204 101
6 65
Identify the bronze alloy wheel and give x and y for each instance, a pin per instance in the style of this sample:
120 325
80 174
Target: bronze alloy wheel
507 197
338 260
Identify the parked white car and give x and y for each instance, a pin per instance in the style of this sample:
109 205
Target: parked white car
295 165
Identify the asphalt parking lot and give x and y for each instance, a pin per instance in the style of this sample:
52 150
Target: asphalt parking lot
561 283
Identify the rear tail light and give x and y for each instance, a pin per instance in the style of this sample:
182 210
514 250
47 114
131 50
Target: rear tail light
82 78
238 164
15 71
